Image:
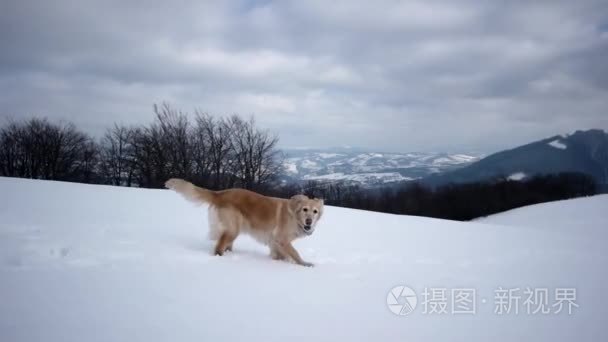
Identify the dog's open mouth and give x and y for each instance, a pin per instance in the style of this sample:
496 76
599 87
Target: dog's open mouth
307 229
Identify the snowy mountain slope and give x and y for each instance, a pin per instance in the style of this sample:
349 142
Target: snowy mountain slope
369 168
96 263
582 214
583 151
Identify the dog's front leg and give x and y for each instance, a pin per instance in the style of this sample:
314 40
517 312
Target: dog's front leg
287 249
275 254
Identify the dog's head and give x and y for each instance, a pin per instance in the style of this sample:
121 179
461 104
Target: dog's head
306 212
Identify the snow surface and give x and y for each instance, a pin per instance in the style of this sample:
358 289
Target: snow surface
97 263
384 177
558 144
291 167
329 155
454 159
585 215
517 176
310 164
370 168
464 157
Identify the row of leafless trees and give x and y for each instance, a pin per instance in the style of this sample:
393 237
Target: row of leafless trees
211 151
42 150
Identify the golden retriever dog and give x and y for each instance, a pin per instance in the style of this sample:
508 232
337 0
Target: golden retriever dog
275 222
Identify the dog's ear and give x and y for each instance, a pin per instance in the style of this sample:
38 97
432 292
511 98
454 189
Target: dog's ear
320 201
295 201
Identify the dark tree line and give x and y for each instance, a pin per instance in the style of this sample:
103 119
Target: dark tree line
210 151
457 201
43 150
227 152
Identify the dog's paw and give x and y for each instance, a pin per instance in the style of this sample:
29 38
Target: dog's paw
307 264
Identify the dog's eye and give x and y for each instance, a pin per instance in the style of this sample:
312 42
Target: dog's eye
305 209
315 211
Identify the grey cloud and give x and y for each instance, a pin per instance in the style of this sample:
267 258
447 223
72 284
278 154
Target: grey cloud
416 75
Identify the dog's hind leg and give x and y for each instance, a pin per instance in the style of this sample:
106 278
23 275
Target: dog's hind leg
229 244
227 223
215 226
229 230
224 243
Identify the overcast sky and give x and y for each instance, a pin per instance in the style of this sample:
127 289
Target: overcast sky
382 75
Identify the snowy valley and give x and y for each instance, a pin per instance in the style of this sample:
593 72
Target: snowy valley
369 168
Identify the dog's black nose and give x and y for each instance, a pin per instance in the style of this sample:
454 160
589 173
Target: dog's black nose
308 221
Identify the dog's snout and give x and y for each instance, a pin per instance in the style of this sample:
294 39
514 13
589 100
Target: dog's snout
308 221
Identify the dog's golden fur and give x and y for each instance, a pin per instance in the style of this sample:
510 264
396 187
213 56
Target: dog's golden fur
275 222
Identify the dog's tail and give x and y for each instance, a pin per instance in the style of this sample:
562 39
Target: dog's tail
190 191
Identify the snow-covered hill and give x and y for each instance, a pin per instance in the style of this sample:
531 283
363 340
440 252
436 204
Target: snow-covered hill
96 263
582 151
369 168
585 215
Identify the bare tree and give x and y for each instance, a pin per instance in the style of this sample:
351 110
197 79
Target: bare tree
42 150
88 164
163 149
116 165
173 138
217 153
257 161
215 149
11 151
201 172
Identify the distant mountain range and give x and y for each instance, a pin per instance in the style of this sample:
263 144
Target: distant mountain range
369 168
582 151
